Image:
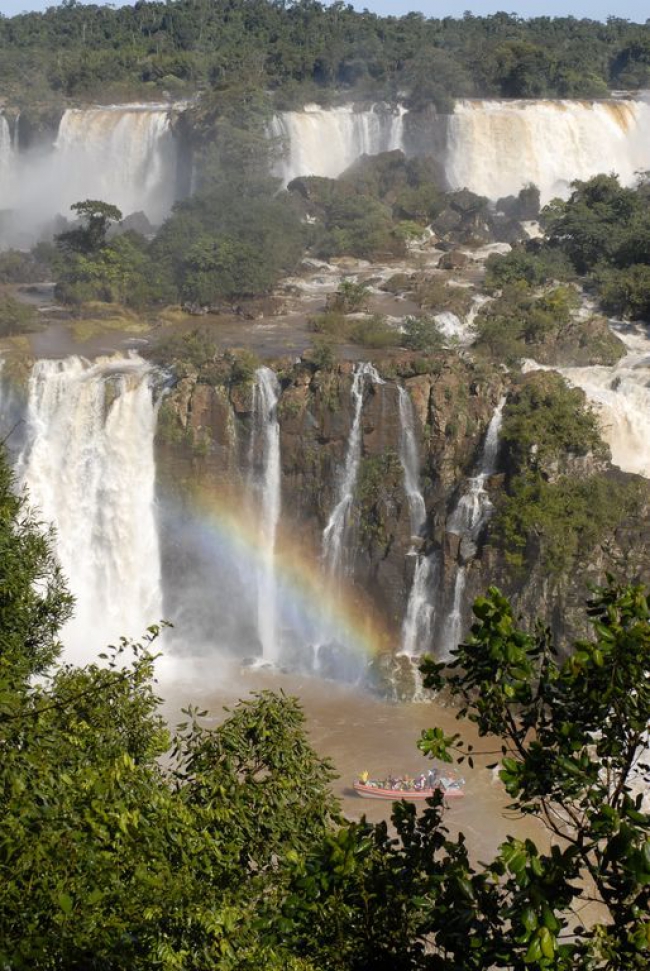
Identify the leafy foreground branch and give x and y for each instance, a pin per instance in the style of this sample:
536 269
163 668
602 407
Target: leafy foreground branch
121 848
574 740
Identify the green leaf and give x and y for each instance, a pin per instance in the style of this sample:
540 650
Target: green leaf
65 902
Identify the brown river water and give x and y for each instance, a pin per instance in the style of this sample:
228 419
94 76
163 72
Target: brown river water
360 732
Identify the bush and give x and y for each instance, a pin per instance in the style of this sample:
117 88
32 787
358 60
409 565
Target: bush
626 292
374 332
193 349
19 267
422 334
507 328
534 268
17 318
323 355
433 293
545 419
244 364
349 298
565 518
332 322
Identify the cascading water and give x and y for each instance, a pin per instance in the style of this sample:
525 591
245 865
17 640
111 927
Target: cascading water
621 394
124 155
88 465
334 532
267 432
326 141
454 623
410 460
416 628
6 147
495 148
467 521
474 506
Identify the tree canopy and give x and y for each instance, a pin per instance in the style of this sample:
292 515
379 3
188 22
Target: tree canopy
297 48
122 846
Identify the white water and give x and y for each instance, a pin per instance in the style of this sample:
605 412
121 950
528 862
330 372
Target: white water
6 148
334 532
267 429
88 465
326 141
621 395
453 628
495 148
467 521
409 456
418 620
124 155
416 627
474 506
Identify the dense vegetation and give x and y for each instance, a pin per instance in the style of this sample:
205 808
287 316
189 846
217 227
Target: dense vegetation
304 49
600 234
233 238
559 499
230 852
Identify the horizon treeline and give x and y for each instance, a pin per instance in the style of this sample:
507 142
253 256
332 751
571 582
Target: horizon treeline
303 50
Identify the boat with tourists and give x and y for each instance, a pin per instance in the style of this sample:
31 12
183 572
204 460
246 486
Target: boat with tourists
416 789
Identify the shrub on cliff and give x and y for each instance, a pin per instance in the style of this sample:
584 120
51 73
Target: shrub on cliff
559 500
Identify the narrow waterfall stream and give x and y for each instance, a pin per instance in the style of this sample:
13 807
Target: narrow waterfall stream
334 533
6 147
267 431
467 521
418 619
409 456
88 465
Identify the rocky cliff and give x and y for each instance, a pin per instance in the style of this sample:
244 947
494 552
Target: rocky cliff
205 443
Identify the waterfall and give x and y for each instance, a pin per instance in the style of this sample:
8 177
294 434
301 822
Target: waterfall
267 433
88 464
474 506
416 627
410 459
6 148
467 521
124 155
453 628
621 395
326 141
334 532
418 620
495 148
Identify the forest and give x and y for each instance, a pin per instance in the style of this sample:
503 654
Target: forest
304 50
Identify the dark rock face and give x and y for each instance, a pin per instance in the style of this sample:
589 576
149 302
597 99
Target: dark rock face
204 444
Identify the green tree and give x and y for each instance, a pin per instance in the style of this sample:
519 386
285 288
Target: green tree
107 858
95 217
572 737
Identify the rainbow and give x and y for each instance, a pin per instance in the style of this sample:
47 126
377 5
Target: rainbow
303 589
